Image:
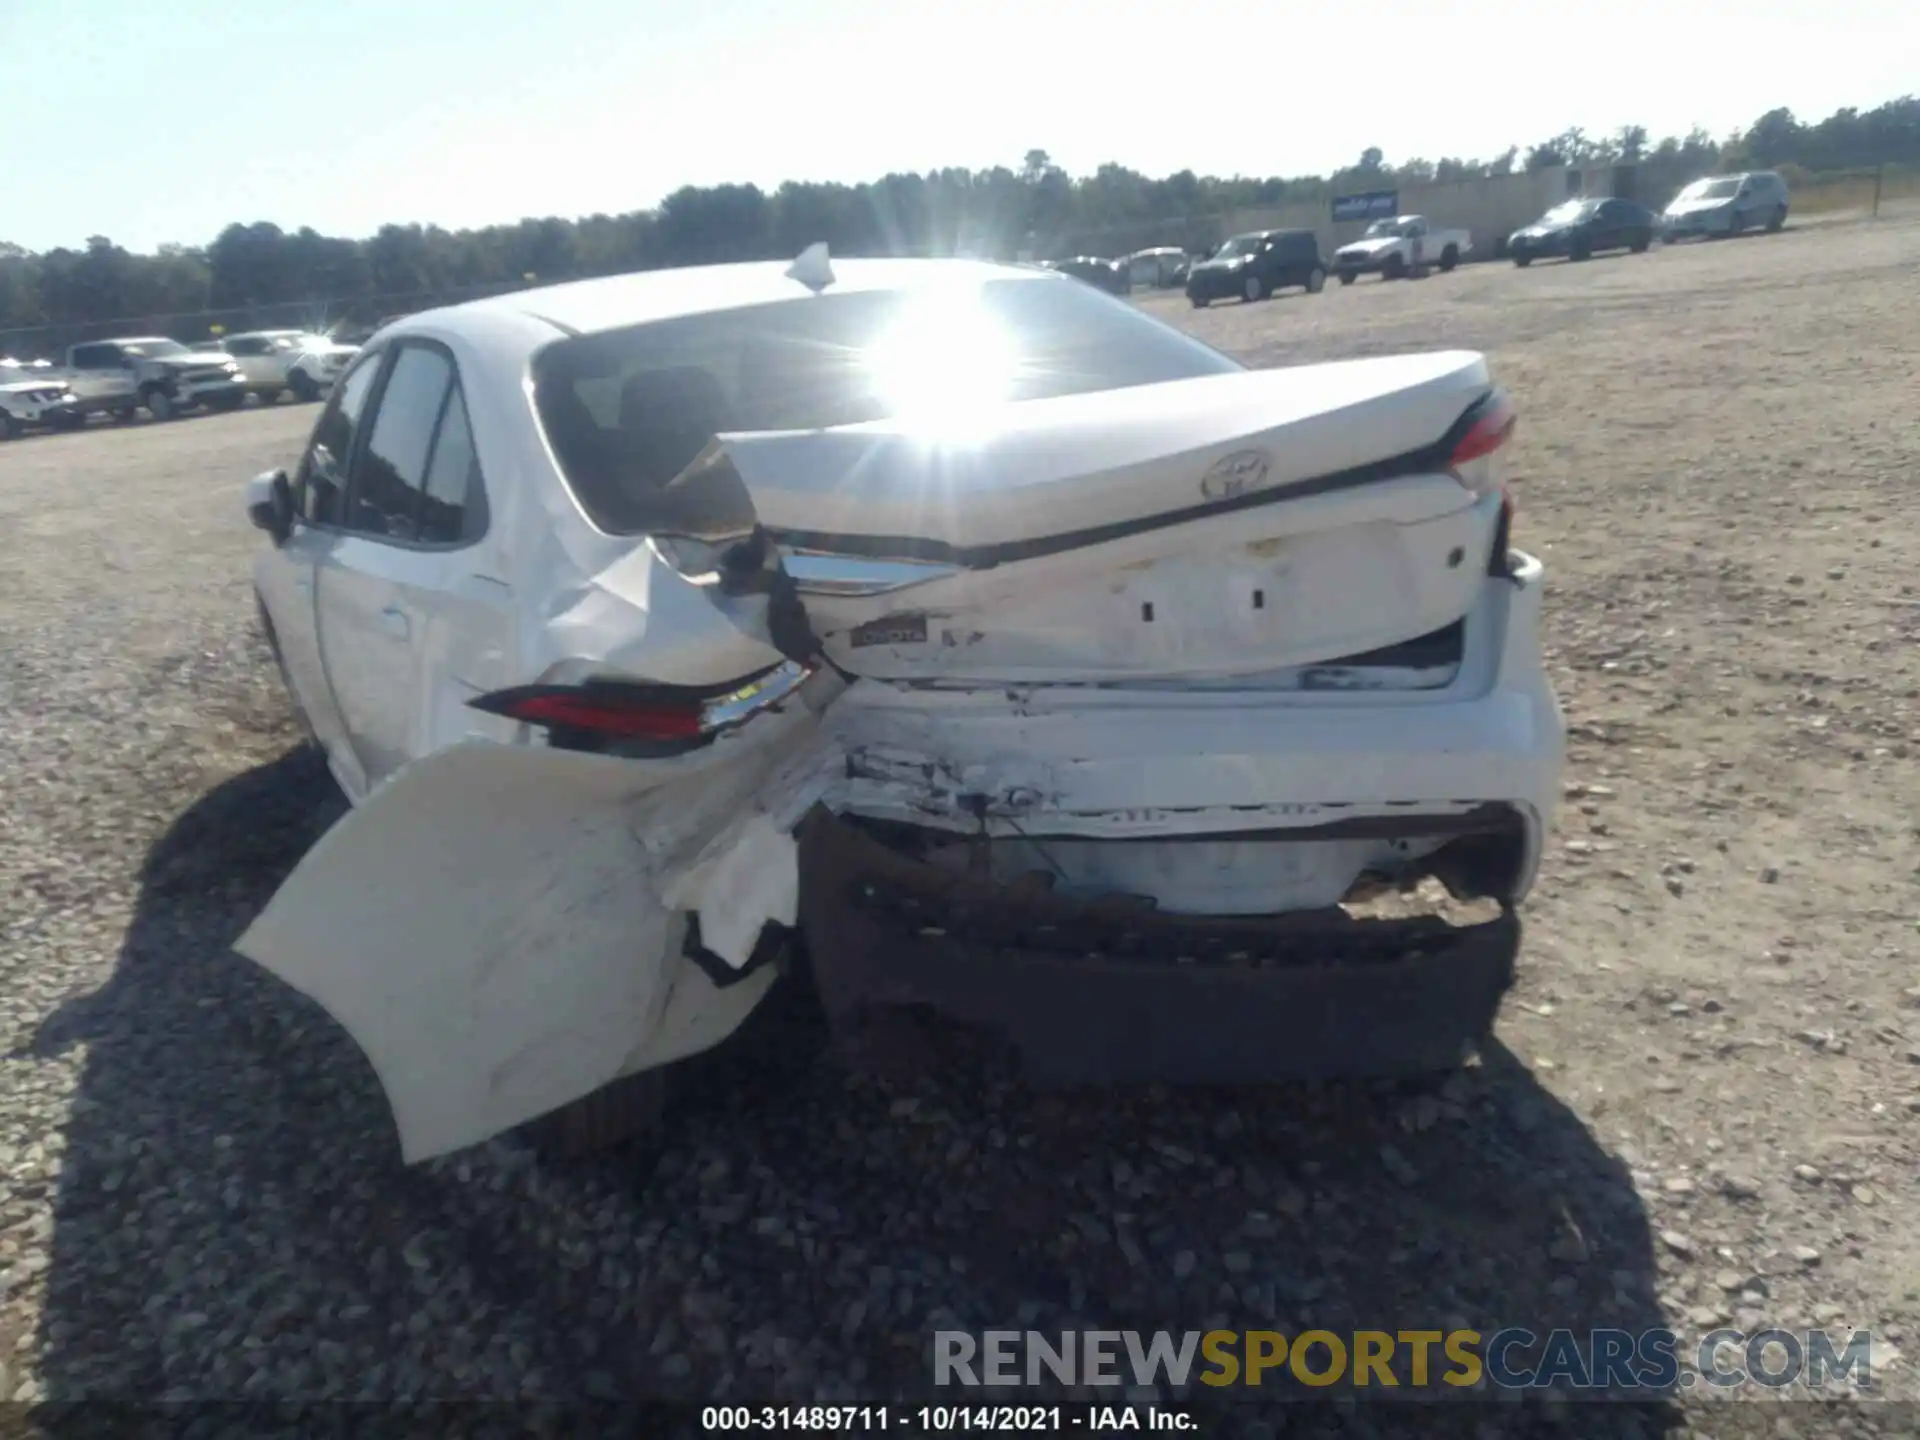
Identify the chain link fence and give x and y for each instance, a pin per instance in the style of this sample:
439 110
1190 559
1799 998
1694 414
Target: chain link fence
346 319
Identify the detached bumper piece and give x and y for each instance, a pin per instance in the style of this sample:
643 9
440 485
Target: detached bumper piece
1098 992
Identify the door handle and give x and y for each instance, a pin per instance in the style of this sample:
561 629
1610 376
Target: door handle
394 621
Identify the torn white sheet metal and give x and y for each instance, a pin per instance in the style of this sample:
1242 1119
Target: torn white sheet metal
637 615
493 925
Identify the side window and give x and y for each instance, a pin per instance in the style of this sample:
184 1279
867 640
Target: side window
391 474
93 357
240 346
454 506
323 474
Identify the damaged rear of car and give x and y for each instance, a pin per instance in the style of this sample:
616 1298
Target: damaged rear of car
1029 659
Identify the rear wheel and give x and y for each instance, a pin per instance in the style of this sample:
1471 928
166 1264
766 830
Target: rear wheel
9 425
1580 250
1347 277
159 404
1449 258
1641 242
1737 224
303 386
1394 269
1777 219
1254 288
1316 280
1523 261
621 1110
1199 301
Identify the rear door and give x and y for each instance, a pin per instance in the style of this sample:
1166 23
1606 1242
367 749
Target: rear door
413 620
285 576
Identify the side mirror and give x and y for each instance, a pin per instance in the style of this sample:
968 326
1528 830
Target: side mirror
270 504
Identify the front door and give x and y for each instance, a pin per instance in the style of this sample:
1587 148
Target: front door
103 375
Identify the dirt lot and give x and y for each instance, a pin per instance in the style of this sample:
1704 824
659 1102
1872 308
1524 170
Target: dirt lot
1706 1108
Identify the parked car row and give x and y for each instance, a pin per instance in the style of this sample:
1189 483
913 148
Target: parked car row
1714 207
1254 265
166 378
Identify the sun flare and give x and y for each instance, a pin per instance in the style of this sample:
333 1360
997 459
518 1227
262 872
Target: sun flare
943 361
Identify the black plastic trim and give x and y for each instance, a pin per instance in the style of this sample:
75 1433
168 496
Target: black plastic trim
774 939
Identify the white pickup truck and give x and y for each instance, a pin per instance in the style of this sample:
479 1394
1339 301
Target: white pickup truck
1393 247
120 376
298 360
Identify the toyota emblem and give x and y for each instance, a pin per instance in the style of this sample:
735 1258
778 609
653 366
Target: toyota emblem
1234 474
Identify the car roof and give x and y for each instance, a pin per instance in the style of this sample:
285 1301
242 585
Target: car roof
616 301
128 340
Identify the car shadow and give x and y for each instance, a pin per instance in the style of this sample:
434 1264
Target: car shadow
231 1220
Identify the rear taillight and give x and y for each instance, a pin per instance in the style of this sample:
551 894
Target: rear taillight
600 713
597 711
1489 425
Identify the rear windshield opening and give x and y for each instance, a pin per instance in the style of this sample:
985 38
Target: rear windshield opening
627 410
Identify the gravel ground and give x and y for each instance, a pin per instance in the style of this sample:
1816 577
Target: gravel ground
1705 1109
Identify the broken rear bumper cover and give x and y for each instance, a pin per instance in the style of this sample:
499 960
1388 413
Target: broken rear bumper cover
1088 992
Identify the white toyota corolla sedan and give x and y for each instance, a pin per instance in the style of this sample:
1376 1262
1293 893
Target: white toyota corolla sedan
1027 658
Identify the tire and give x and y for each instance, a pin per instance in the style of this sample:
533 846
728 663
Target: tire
159 404
1199 302
1641 243
1347 277
9 425
1580 250
622 1110
271 397
1395 268
1253 288
1737 225
227 402
1316 280
1449 258
1522 261
1777 220
303 386
124 413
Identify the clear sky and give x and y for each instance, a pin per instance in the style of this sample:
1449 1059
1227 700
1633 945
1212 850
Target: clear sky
163 120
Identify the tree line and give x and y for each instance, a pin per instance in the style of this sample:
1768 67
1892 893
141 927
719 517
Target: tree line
251 269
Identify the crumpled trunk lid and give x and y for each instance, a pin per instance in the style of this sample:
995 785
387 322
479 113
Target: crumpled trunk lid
1216 527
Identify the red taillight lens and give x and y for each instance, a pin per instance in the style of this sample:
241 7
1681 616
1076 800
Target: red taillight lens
1492 427
622 710
600 713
